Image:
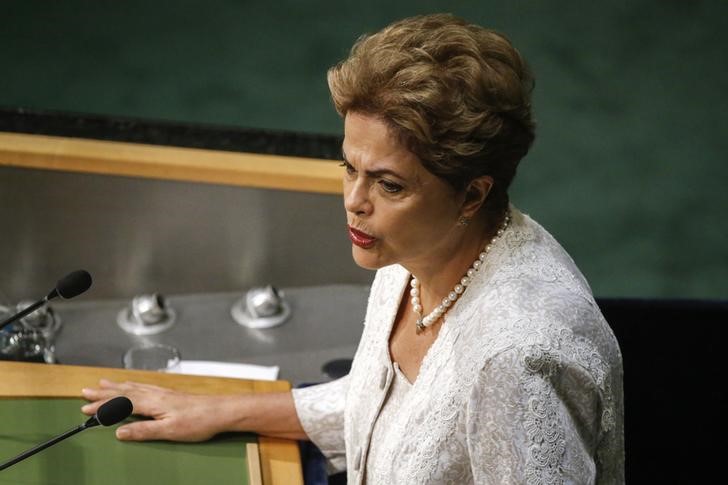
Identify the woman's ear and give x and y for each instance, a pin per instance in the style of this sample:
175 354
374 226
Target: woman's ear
475 194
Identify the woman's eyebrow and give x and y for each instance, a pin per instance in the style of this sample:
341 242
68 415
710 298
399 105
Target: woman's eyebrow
377 172
383 171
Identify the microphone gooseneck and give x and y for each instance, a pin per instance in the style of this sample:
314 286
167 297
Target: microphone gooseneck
109 413
73 284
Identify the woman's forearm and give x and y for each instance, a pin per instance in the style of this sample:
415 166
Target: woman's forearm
179 416
269 414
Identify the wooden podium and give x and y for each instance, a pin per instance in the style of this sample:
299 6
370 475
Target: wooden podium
270 461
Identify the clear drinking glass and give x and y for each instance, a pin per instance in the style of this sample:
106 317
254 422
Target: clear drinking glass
156 357
24 344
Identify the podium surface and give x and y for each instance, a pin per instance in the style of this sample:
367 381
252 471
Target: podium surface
39 401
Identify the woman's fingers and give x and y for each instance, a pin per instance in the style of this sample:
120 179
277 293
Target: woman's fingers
142 431
127 385
108 389
175 415
107 384
91 408
91 394
97 398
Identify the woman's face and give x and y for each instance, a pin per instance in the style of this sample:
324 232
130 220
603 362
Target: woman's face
397 211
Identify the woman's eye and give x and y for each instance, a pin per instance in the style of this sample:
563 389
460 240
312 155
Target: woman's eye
390 187
349 169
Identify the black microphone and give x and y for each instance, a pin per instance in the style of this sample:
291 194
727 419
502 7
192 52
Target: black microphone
73 284
109 413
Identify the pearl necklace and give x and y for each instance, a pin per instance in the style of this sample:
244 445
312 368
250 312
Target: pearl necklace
425 321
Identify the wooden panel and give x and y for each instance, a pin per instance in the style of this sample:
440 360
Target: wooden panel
280 459
97 457
170 163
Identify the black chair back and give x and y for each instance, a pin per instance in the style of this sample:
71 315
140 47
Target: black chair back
675 354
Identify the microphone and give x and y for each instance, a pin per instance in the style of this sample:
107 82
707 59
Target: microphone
109 413
73 284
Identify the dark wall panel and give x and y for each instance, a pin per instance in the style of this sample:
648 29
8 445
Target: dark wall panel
629 165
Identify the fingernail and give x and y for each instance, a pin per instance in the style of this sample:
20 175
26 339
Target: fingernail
122 433
85 407
85 390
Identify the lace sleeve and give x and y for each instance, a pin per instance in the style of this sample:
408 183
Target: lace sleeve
532 418
320 410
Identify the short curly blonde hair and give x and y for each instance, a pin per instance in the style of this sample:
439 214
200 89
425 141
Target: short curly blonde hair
458 95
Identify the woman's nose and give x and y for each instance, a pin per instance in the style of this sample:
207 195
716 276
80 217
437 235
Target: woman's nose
356 198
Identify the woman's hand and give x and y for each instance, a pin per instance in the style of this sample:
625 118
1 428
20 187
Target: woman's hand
176 416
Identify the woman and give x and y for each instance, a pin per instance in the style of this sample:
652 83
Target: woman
484 358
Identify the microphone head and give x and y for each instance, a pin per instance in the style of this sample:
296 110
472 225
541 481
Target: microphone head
73 284
114 411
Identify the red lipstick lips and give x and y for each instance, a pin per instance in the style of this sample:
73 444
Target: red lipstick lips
361 239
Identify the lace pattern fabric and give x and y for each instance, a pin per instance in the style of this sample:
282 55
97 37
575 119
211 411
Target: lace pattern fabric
522 385
320 409
387 428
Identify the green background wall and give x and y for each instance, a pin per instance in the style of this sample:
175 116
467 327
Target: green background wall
629 166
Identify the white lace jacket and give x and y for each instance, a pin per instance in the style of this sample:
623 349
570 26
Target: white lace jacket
522 385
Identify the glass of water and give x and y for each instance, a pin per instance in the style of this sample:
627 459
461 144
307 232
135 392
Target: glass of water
24 344
156 357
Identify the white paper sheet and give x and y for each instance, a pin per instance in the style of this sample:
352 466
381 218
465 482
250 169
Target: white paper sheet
226 369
